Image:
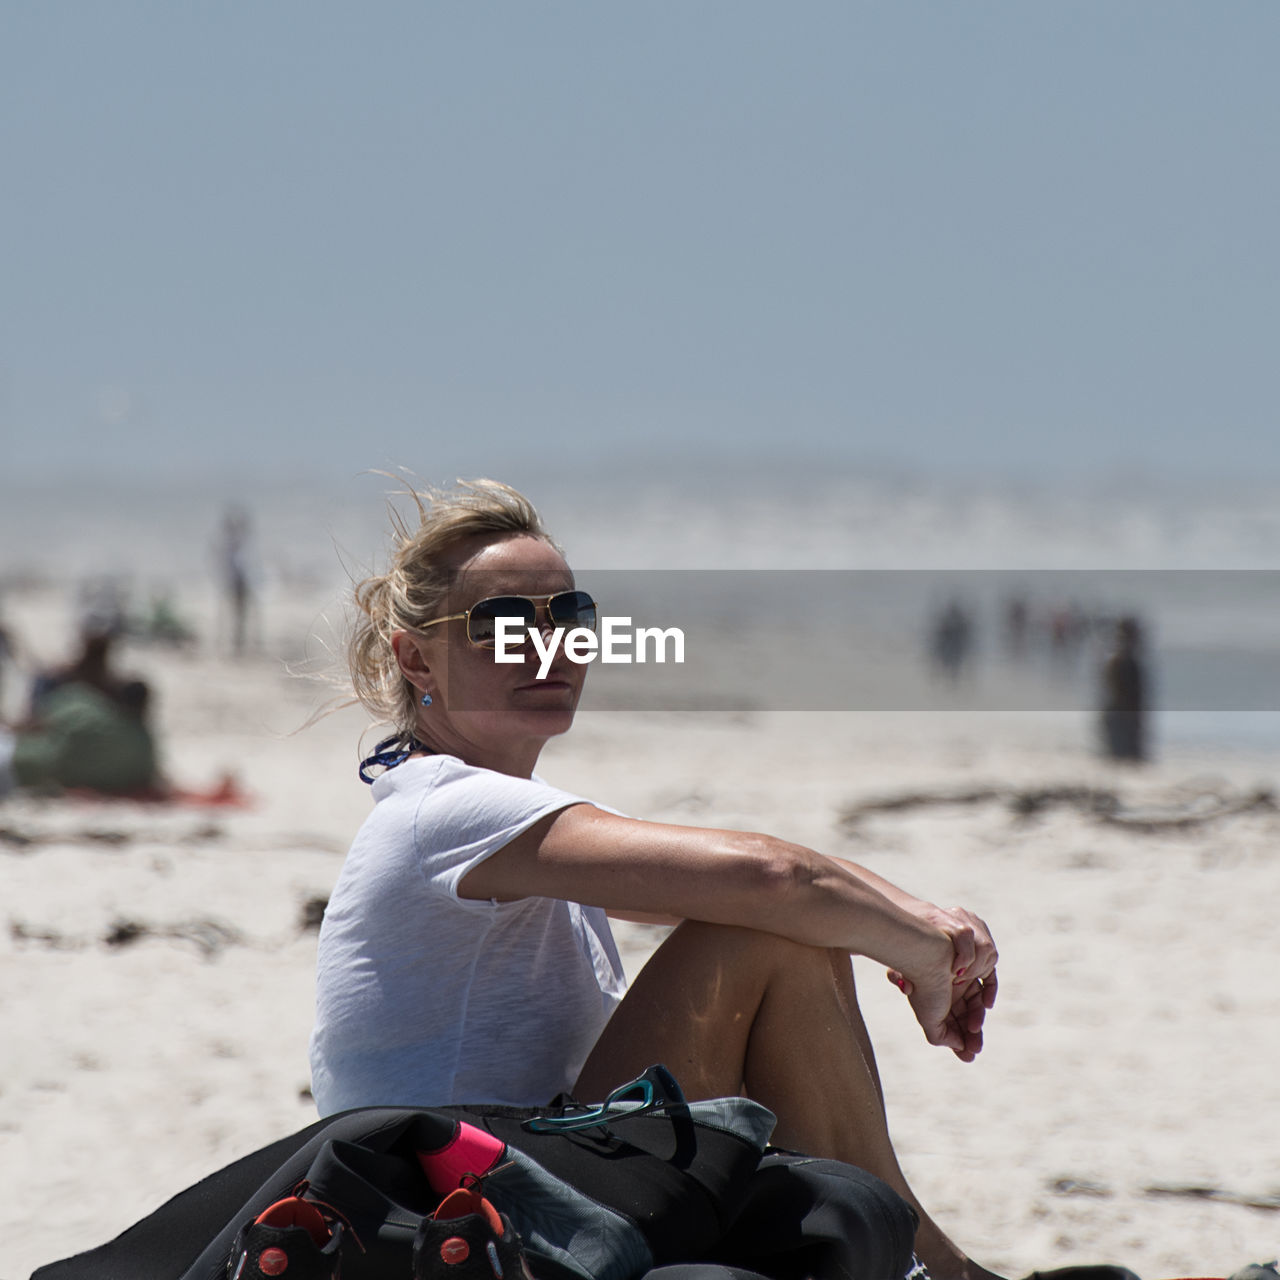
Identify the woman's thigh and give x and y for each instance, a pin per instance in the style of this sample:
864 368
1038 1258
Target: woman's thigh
692 1007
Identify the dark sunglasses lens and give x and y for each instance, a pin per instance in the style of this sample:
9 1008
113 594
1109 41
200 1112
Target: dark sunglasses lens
482 622
573 609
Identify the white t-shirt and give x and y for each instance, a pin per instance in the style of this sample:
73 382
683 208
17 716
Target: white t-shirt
424 998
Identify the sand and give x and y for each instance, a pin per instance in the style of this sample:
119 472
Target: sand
1122 1110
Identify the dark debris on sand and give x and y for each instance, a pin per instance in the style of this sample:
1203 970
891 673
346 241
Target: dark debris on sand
1178 813
210 937
1268 1201
29 840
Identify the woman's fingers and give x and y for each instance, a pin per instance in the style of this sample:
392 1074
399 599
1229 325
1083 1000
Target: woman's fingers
951 1006
969 1034
966 1019
989 988
942 1012
948 1036
966 951
975 950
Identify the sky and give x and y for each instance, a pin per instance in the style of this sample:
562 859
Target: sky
310 238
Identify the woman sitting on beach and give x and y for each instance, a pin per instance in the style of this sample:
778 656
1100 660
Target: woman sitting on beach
466 954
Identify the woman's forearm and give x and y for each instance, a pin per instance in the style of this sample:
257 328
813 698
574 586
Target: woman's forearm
722 877
841 904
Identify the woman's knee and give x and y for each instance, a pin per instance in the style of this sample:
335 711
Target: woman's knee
744 948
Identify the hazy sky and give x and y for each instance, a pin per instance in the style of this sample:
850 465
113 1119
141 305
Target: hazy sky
1023 235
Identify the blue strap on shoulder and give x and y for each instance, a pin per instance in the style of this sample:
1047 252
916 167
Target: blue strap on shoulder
389 753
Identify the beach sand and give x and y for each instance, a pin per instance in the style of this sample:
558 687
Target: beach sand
1122 1109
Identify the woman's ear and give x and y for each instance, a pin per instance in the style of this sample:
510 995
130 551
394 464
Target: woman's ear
413 662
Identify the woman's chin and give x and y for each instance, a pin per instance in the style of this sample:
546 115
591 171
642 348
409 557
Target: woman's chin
551 703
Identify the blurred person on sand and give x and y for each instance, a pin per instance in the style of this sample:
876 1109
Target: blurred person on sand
234 549
466 952
89 729
86 728
1124 695
92 666
951 641
8 651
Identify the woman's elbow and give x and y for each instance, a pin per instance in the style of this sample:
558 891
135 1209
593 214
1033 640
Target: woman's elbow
775 871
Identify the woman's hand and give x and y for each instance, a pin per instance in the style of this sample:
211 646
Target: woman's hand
951 1004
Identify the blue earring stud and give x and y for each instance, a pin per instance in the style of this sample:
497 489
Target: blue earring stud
426 699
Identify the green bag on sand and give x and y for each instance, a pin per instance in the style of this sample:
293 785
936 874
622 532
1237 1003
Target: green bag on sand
85 739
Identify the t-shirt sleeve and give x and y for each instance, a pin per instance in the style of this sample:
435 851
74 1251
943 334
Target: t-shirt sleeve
472 813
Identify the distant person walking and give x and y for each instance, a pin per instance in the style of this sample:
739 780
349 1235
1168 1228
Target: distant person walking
1124 695
234 548
952 641
1017 622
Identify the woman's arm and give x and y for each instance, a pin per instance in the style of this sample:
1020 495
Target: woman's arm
944 958
641 917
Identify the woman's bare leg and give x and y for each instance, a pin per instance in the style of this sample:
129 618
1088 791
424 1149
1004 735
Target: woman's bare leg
730 1009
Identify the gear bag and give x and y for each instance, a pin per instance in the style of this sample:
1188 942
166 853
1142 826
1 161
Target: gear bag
639 1186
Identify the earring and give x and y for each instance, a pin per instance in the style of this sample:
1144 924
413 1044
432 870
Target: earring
426 699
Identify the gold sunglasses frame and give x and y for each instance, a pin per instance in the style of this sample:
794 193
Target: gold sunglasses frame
515 595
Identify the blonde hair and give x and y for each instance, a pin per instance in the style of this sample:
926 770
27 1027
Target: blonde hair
415 586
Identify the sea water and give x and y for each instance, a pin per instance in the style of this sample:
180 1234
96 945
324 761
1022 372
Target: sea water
799 589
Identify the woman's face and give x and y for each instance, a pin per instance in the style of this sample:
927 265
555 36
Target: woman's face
478 701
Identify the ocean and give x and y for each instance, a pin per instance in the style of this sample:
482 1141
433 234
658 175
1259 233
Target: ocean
795 589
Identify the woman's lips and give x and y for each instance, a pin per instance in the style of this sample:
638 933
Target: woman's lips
551 682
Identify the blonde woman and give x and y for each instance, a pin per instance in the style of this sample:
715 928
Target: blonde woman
466 953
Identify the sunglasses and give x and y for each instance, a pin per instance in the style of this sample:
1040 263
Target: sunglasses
568 609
